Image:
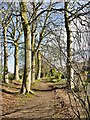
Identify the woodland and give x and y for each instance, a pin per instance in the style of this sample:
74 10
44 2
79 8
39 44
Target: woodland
45 59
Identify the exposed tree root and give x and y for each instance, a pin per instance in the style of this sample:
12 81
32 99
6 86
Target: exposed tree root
32 92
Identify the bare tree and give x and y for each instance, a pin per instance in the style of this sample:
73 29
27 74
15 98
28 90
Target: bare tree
36 44
5 24
68 31
26 84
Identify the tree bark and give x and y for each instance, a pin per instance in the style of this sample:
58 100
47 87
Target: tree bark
33 58
39 65
16 69
33 30
5 56
26 84
68 32
16 41
5 24
33 67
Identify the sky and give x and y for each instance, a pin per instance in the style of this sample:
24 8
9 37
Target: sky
11 58
32 0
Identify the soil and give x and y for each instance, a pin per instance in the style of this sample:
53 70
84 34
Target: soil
46 103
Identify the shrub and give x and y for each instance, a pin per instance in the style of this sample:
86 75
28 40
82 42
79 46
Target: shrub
46 74
52 72
58 75
10 76
1 76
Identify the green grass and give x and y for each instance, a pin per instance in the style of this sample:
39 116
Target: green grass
62 81
38 80
54 80
20 80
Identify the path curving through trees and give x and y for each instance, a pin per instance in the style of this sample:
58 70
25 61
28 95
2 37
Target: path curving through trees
47 103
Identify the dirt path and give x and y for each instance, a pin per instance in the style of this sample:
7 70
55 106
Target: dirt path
46 104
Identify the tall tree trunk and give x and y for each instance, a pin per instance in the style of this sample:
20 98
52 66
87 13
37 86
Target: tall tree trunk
33 43
33 66
39 65
26 84
33 55
5 26
16 69
16 41
88 86
68 32
1 59
5 56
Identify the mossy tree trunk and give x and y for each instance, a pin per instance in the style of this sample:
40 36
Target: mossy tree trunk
68 32
26 84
